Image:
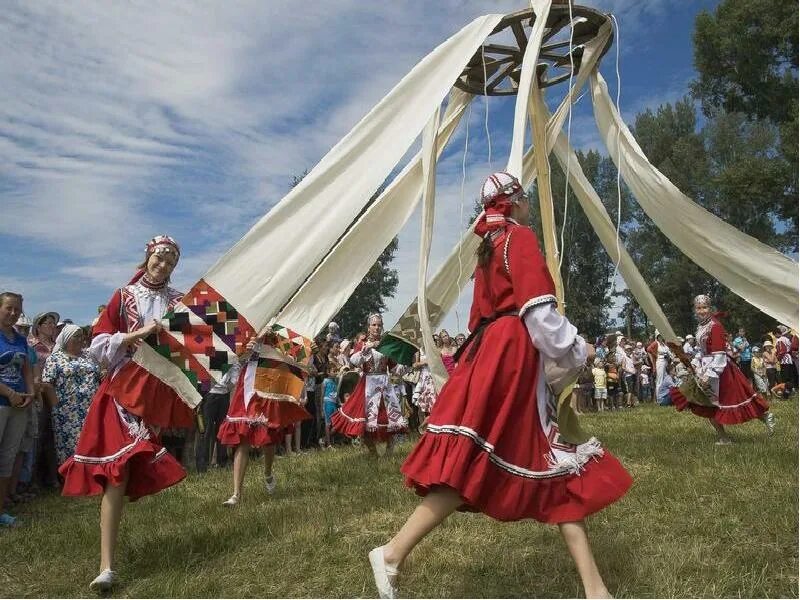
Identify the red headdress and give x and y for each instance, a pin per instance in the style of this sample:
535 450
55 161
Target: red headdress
499 192
158 245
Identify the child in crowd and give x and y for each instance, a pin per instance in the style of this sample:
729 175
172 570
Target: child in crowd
612 384
759 371
600 391
644 385
330 401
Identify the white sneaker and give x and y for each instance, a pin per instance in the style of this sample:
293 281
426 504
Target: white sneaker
232 501
723 442
270 483
104 582
769 421
385 575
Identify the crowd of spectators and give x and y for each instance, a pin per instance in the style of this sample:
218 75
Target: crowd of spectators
47 381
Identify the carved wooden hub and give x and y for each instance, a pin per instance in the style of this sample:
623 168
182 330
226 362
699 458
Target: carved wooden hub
503 61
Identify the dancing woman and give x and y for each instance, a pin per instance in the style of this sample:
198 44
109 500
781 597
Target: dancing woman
258 417
493 443
374 410
118 452
719 390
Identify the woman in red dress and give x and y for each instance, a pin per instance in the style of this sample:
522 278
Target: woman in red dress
258 417
730 394
493 443
118 452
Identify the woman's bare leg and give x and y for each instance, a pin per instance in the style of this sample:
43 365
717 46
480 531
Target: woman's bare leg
577 541
269 459
722 435
110 516
439 504
370 444
240 459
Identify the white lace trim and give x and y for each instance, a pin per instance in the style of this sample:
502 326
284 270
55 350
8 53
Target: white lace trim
537 301
572 464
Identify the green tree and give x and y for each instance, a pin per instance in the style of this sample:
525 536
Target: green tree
746 59
745 53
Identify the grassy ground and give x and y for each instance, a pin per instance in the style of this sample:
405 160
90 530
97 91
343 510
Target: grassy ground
700 521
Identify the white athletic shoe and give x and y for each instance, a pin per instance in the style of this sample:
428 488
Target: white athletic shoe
270 483
385 575
769 421
104 582
232 501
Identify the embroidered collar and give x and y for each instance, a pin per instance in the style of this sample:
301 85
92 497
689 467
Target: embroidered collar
145 282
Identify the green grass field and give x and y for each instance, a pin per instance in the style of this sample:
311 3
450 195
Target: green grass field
699 521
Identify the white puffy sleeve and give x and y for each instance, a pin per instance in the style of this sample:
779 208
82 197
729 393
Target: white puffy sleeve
108 349
554 336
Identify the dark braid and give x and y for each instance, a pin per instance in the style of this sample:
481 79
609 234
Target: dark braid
485 251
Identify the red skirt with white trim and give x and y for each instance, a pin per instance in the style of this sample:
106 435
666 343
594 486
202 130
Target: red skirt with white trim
114 444
486 440
263 423
738 401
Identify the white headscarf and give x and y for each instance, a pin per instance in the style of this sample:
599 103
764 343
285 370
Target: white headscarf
66 334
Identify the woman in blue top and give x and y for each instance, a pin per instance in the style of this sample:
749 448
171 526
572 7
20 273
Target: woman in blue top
16 391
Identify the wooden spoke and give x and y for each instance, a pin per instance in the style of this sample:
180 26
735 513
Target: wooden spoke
504 61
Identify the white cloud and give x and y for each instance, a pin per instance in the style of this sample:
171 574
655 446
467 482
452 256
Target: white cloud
119 121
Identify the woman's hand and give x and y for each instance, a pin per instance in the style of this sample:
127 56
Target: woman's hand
19 399
135 337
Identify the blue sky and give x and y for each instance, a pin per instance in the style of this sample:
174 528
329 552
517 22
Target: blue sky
119 121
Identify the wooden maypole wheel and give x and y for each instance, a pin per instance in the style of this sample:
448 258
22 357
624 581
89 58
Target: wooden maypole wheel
503 62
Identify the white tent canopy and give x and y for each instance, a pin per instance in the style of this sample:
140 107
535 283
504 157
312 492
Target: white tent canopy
273 275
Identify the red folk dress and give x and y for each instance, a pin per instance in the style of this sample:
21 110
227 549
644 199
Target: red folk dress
374 409
120 431
258 417
492 435
735 401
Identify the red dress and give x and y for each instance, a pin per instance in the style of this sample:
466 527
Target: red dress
374 409
118 433
492 434
735 400
258 417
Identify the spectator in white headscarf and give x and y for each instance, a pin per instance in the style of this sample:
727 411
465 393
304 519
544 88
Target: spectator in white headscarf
69 381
